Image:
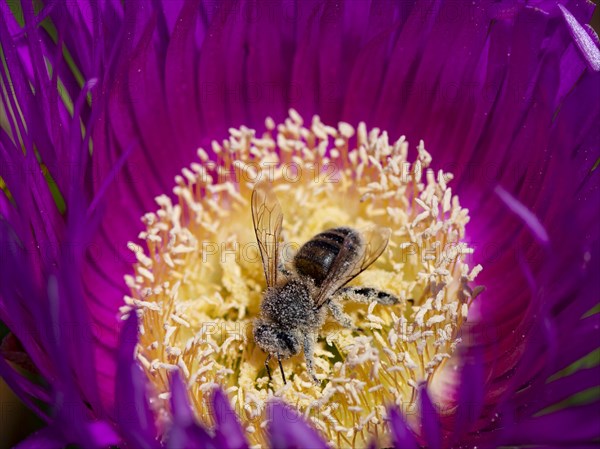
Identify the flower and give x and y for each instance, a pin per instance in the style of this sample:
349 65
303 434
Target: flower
198 279
104 106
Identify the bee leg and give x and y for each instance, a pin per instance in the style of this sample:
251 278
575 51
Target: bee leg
281 368
267 366
309 346
368 295
341 317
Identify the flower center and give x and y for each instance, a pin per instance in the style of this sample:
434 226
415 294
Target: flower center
198 283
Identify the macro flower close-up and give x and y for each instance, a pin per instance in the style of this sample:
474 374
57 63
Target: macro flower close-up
299 224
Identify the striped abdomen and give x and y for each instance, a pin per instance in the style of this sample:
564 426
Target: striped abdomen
315 258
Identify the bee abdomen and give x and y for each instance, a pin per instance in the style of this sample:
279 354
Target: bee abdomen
315 258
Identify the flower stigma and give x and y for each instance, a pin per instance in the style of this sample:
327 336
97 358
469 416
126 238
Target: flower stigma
199 280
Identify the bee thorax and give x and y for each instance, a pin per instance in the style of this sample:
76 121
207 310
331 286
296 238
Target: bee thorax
289 305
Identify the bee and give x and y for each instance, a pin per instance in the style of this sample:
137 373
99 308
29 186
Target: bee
297 299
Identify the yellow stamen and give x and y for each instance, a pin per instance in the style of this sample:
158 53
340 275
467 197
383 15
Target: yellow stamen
199 281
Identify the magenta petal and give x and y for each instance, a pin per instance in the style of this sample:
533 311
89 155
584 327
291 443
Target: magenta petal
402 435
228 431
180 77
103 434
288 430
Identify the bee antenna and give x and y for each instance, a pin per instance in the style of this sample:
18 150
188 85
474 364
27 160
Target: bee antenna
281 368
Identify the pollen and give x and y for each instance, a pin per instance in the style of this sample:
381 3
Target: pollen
198 280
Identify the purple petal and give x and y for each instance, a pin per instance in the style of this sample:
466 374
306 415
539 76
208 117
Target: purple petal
288 430
532 103
22 388
134 416
46 438
430 423
402 435
569 427
228 431
180 406
584 42
526 215
582 340
567 386
184 430
470 394
71 342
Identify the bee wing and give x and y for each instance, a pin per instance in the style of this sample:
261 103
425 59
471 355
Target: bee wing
267 218
346 266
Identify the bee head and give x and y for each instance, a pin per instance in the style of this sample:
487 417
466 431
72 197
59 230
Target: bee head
272 339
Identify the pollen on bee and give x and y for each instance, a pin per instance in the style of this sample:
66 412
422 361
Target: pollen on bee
198 283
